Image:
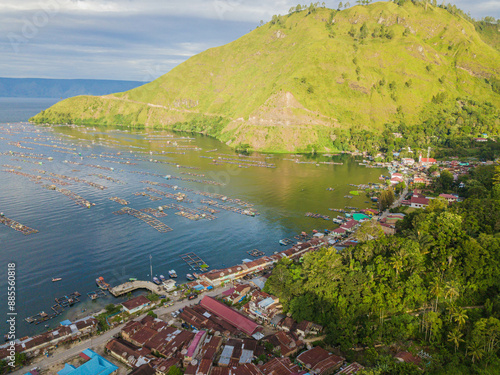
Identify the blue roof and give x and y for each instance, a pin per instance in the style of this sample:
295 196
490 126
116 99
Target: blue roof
97 365
66 322
68 369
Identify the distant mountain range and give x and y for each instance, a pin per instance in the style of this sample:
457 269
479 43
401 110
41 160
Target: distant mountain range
61 88
300 81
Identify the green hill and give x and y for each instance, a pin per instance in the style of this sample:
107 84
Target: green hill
294 83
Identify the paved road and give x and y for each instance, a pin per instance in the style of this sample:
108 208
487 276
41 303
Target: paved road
397 202
162 312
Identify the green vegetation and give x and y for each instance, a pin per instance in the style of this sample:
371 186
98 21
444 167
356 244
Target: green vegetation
434 286
289 85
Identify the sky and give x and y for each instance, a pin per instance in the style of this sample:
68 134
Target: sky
133 39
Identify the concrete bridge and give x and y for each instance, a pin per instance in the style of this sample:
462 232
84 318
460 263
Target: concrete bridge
130 286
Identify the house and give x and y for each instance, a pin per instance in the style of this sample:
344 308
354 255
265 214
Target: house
449 197
351 369
408 358
262 306
135 304
280 366
238 294
126 353
231 316
303 328
287 324
287 342
426 161
338 232
350 225
418 201
408 161
95 365
480 139
320 361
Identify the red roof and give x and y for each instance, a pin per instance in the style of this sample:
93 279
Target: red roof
408 357
349 225
418 200
135 302
232 316
427 160
84 356
320 360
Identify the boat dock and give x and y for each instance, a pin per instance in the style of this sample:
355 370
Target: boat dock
130 286
156 224
16 226
194 261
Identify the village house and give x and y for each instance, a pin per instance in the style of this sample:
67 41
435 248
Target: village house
287 342
320 361
238 293
262 306
136 304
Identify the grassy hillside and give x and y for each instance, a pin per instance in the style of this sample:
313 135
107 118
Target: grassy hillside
287 85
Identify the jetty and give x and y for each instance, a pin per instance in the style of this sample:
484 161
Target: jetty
130 286
157 224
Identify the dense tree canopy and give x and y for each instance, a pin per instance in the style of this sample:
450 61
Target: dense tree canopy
437 282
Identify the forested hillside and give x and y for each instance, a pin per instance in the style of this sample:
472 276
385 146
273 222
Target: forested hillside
434 286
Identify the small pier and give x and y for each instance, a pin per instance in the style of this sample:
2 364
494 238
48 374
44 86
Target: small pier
130 286
194 261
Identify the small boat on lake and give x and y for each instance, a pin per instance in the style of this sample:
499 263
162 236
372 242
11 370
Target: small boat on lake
162 278
133 279
190 277
156 280
101 283
54 279
172 274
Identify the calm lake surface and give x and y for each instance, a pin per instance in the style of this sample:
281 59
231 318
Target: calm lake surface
79 244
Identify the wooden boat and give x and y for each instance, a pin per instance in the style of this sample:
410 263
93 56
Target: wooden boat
54 279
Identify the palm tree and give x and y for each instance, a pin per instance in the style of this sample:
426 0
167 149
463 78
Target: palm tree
475 351
451 290
436 290
460 317
455 337
396 263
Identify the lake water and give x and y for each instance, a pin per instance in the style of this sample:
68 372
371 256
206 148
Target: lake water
79 244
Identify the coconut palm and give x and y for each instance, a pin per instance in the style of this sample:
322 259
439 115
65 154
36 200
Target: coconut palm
460 317
475 351
455 337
